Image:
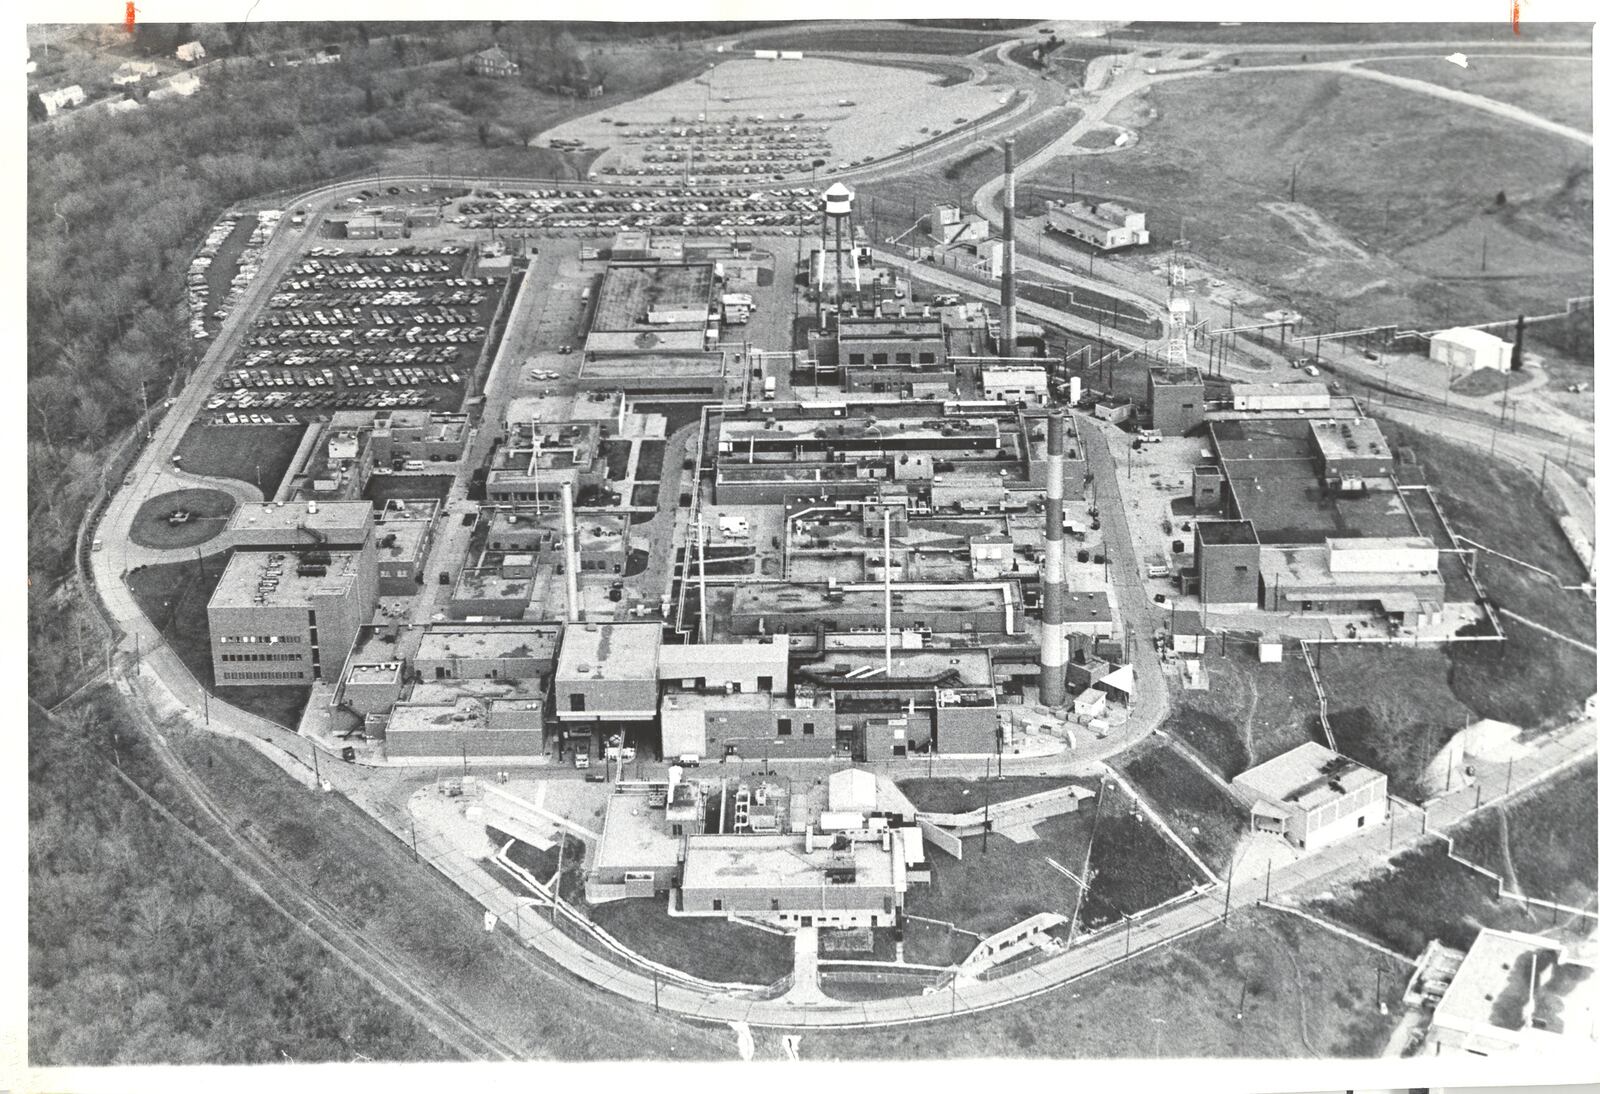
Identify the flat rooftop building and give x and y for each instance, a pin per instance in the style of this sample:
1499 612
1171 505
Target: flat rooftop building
1314 796
977 608
794 878
493 650
331 524
608 671
1514 992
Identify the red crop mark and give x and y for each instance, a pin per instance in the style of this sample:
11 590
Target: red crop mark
127 17
1516 16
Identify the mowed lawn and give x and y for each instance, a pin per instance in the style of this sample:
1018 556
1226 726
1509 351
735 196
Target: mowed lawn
1380 232
1252 712
174 596
1203 815
256 454
941 795
1133 865
1307 991
984 892
1551 837
208 511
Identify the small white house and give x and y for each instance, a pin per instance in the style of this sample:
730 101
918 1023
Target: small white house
190 52
1089 703
1188 636
1469 349
1270 650
131 72
58 100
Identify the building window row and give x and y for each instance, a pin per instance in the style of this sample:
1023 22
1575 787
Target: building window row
263 656
271 639
233 675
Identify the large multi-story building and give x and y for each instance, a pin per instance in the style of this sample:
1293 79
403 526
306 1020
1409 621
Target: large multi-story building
1177 396
893 354
289 618
418 435
491 651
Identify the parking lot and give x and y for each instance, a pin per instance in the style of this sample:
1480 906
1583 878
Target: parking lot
379 328
700 211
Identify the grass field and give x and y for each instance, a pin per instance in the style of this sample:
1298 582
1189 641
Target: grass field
1392 708
1407 251
380 488
208 515
1425 895
1333 33
884 39
711 948
1132 865
174 596
1550 834
986 892
1531 679
936 943
256 454
1252 712
1552 87
1307 991
1202 813
940 795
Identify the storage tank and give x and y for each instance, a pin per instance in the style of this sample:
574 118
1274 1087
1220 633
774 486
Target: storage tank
1074 390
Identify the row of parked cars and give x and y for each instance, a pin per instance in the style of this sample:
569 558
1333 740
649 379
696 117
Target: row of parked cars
253 398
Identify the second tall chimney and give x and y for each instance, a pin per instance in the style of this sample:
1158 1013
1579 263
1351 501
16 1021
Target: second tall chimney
1053 647
1008 268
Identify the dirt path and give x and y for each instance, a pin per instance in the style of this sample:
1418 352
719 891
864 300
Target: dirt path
1512 885
1249 721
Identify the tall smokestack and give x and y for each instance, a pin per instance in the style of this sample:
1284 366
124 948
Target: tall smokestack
569 536
1008 269
1053 648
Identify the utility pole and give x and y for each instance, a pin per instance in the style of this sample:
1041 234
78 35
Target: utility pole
1227 897
1267 897
1483 265
986 790
1294 179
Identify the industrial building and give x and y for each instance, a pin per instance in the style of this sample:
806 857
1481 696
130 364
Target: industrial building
400 435
336 525
402 538
1470 349
491 651
1105 226
290 618
654 309
1177 397
1511 992
1313 796
608 672
1282 397
973 609
466 726
537 461
893 354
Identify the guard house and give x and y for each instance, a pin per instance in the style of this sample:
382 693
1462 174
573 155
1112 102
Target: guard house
1313 796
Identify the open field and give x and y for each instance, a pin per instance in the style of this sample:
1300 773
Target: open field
1252 713
711 948
1550 835
1405 252
1306 991
1392 708
1551 87
1425 895
1531 679
863 39
256 454
987 892
1132 864
1201 812
1333 33
949 795
208 515
174 596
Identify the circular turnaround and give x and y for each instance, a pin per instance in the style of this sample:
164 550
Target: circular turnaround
181 518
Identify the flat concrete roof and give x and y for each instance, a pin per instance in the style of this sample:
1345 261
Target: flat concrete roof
779 862
1343 439
491 640
971 666
635 835
689 661
696 364
1176 375
1225 532
675 339
489 584
878 327
329 516
1491 987
1306 568
242 580
408 540
630 290
448 691
609 651
1305 777
1086 607
789 598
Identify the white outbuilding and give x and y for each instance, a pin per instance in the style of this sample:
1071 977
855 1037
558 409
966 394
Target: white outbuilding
1469 349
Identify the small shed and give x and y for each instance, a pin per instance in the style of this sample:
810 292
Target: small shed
1188 635
1089 703
1270 649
